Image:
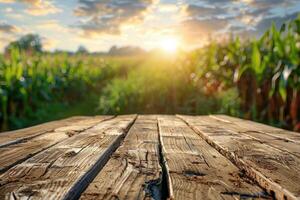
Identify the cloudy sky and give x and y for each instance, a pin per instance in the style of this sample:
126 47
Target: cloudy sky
99 24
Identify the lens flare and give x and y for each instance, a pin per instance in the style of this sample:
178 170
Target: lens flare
169 45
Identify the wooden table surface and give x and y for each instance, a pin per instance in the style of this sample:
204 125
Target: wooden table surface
150 157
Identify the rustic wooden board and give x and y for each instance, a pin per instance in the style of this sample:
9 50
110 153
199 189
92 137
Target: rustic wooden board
64 170
247 125
277 138
13 137
198 171
276 170
133 171
17 153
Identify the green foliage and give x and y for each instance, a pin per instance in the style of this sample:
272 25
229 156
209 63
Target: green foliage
264 72
28 83
255 79
258 80
30 43
256 60
160 85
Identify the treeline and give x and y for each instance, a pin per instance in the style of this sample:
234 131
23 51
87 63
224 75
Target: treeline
254 79
37 86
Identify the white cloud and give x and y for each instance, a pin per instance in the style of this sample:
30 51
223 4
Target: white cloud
42 8
7 1
49 44
8 10
36 7
107 17
8 28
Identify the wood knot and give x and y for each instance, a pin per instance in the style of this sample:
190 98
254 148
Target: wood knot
190 173
70 133
72 153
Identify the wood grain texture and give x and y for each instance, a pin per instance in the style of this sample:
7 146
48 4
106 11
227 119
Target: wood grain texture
133 171
13 137
64 170
16 153
276 170
202 157
198 171
275 137
261 128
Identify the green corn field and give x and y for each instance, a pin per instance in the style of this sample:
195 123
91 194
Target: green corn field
256 79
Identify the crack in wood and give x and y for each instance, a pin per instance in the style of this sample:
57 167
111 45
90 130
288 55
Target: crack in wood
162 184
191 173
153 188
269 184
30 155
25 139
260 195
79 187
189 159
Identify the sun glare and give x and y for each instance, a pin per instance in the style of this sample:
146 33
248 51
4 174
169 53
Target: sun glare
169 45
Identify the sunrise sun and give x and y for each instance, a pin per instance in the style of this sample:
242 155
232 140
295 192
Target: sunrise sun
169 45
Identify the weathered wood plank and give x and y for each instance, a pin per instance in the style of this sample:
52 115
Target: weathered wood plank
13 137
275 170
198 171
64 170
248 125
133 171
277 138
16 153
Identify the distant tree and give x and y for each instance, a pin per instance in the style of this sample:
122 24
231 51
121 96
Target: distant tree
82 50
113 50
125 51
30 43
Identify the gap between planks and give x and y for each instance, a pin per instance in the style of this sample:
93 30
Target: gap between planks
183 173
196 170
64 170
25 149
127 174
133 171
274 169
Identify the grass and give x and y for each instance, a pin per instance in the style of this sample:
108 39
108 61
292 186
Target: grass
253 79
